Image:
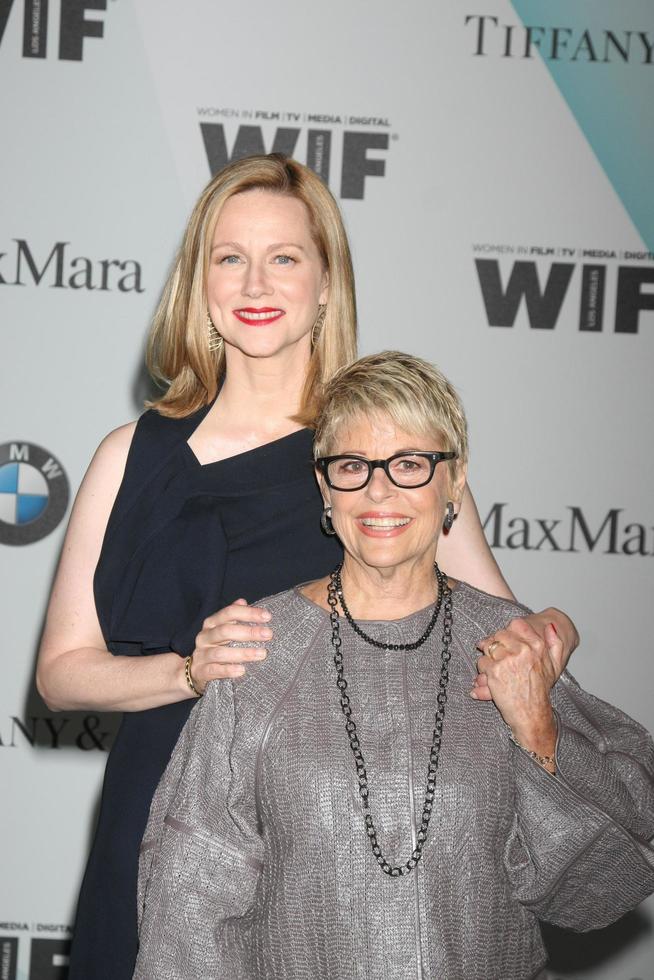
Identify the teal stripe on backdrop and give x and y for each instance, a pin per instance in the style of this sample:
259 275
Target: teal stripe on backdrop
612 101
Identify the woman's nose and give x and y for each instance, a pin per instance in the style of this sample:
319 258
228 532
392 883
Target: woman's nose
380 487
256 282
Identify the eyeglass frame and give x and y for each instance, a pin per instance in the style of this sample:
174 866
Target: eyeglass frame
322 464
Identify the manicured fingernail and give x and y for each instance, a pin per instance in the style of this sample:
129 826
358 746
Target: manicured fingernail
260 654
266 615
265 633
474 695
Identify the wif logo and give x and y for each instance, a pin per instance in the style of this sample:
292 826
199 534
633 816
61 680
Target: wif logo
73 26
8 956
33 493
48 958
544 295
341 156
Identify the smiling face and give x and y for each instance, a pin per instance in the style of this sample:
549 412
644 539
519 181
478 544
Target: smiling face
384 526
266 278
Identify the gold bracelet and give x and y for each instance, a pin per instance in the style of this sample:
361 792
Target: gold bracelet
542 760
189 677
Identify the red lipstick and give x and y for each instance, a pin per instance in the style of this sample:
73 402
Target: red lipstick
258 316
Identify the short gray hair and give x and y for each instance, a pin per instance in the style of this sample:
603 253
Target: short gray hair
410 391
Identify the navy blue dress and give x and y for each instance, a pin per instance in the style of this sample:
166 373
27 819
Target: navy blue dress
183 540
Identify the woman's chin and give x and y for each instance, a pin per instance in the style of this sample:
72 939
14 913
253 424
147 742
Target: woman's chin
382 554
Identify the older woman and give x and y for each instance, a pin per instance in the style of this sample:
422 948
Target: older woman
350 808
207 502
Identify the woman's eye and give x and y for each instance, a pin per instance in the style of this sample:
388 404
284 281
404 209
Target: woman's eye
409 467
284 260
352 466
229 260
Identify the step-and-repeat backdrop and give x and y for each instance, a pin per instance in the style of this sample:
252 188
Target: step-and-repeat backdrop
494 164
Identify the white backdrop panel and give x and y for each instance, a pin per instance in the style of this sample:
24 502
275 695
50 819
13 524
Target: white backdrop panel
440 157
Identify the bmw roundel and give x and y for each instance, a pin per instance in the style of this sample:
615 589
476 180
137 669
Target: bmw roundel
33 493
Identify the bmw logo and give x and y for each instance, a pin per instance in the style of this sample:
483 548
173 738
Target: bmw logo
33 493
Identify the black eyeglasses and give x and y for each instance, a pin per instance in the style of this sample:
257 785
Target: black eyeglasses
405 470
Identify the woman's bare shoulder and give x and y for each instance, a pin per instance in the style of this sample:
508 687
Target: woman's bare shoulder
116 443
111 455
105 473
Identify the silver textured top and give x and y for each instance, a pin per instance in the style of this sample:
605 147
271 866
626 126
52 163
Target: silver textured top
255 863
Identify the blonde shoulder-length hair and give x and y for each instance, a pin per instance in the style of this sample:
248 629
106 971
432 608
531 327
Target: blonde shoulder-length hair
178 352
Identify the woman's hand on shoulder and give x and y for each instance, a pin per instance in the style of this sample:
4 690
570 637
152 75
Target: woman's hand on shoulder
75 669
520 669
216 657
566 629
515 634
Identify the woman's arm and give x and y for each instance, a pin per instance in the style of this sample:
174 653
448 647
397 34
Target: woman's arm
580 853
74 669
464 553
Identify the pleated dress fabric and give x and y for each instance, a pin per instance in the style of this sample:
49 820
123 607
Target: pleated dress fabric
183 540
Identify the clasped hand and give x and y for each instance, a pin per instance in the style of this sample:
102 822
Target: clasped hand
517 670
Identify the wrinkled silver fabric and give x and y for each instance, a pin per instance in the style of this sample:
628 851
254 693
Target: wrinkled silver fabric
255 864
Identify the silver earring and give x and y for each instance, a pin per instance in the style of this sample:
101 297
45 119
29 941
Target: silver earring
214 339
318 325
326 521
449 517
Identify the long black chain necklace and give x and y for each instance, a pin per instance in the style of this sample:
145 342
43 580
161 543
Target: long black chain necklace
334 595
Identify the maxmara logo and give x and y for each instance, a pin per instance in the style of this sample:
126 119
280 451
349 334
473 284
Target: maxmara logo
343 150
544 288
591 46
613 533
60 268
73 26
33 493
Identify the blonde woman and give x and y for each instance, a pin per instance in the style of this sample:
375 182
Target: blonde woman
206 504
